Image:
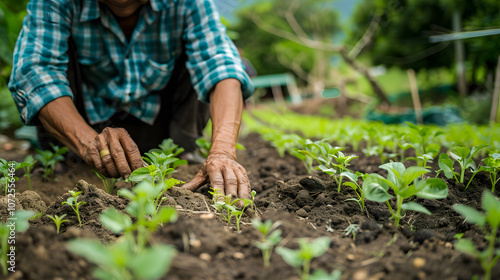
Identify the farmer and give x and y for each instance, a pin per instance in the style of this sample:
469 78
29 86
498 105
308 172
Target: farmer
112 78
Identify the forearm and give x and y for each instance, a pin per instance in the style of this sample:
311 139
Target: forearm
226 106
61 118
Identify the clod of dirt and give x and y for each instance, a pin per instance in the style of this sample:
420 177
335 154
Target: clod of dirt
4 204
313 184
30 200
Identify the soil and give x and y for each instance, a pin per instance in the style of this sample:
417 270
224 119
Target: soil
308 206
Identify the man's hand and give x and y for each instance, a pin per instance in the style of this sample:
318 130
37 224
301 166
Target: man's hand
113 153
225 175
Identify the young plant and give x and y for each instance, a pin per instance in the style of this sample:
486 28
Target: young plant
132 258
422 139
160 166
353 184
492 166
301 259
168 147
229 208
29 163
339 168
491 216
109 183
270 237
7 169
405 183
464 157
18 223
352 229
49 159
58 220
75 204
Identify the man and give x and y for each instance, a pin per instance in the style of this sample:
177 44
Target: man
86 68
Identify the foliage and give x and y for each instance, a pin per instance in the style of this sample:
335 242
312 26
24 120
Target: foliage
405 183
491 216
352 229
75 204
301 259
109 183
49 159
168 147
29 163
270 237
228 207
464 157
353 184
58 221
423 140
492 166
160 166
131 258
7 169
20 223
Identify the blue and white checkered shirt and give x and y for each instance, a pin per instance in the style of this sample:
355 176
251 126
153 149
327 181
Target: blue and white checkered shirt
116 71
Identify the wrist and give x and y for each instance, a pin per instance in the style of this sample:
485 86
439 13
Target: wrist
225 148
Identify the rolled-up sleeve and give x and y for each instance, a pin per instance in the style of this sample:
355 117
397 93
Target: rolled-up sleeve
212 56
40 60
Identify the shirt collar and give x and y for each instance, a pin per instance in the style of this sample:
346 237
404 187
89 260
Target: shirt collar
90 8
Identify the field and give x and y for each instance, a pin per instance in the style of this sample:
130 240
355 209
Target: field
363 244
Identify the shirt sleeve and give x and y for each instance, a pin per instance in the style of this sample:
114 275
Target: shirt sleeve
212 56
40 60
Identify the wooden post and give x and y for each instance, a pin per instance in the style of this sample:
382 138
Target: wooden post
494 104
414 95
459 55
278 94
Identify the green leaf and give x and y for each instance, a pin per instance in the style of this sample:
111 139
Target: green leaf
462 151
320 245
415 207
154 262
126 193
410 174
92 250
375 188
290 256
329 171
351 185
472 215
320 274
466 246
22 217
492 206
433 188
446 164
115 221
351 176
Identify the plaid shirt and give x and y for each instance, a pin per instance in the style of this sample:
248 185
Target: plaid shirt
118 73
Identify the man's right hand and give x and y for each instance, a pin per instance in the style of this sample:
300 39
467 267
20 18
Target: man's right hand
113 153
120 155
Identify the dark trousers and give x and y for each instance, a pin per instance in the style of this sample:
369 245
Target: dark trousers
182 116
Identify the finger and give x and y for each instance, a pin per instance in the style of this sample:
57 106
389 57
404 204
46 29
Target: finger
230 183
117 152
216 180
131 150
96 160
244 188
199 180
106 160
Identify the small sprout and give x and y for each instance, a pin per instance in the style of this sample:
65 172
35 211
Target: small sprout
75 204
352 229
464 157
29 163
8 170
49 160
228 207
270 237
353 177
109 183
58 220
168 147
491 216
301 259
492 166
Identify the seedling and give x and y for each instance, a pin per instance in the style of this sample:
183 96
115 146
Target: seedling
131 259
18 222
492 166
160 166
422 139
228 207
339 168
270 237
352 229
168 147
109 183
205 146
353 177
464 157
491 216
75 204
301 259
405 183
58 220
29 163
8 170
49 160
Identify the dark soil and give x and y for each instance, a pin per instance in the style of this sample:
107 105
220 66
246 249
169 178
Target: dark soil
308 206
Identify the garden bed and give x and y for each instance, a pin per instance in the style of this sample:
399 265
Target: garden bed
208 248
